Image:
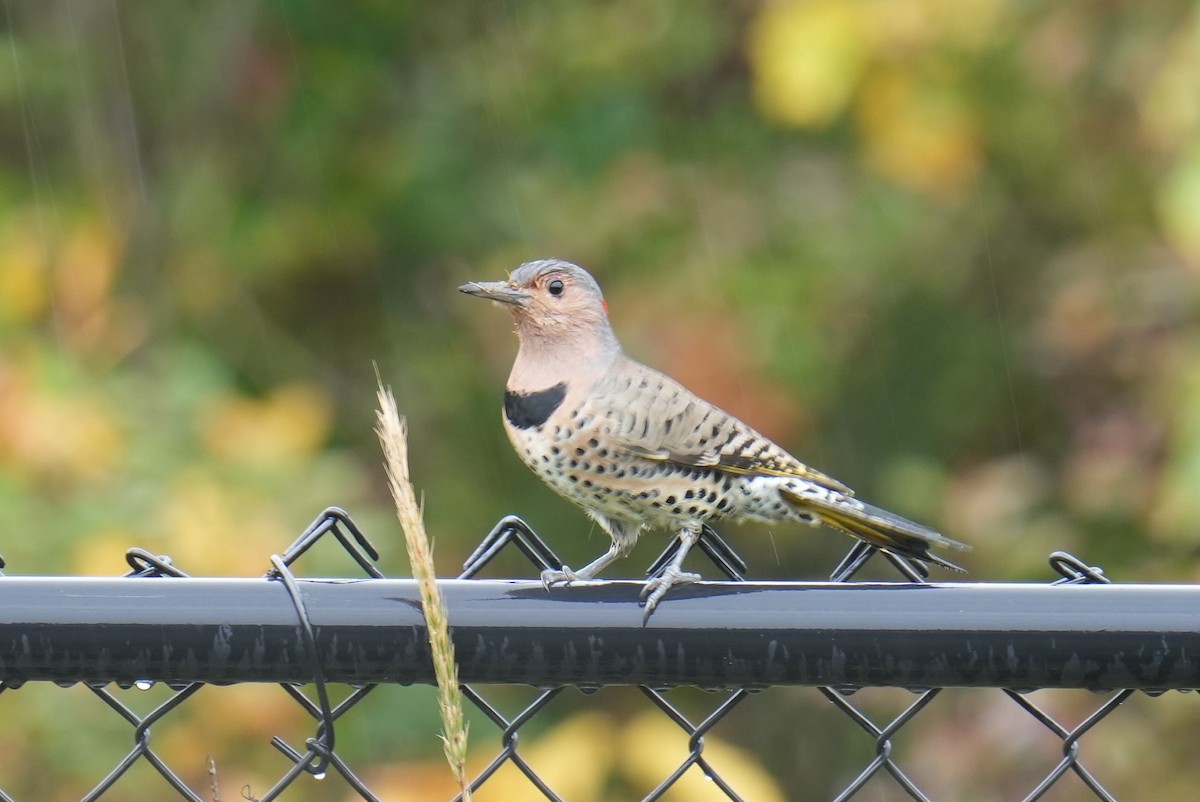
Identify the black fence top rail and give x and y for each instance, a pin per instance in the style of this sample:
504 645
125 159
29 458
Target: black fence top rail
157 624
711 634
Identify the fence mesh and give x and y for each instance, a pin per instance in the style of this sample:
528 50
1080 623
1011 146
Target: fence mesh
886 772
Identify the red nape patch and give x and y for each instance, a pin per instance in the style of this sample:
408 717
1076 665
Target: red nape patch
605 305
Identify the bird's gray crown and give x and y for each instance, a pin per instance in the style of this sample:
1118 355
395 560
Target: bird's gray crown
528 272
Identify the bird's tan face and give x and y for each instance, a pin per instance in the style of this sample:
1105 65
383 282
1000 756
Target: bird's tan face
553 299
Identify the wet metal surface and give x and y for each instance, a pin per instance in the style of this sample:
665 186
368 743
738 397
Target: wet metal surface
719 634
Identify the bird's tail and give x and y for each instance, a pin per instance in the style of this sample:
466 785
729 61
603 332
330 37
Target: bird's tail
876 526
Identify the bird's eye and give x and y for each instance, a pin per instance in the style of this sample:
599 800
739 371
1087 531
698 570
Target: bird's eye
556 287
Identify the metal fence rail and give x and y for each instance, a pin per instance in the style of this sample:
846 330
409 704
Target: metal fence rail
720 634
158 625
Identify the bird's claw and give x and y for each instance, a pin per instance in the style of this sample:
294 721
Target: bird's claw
563 575
657 587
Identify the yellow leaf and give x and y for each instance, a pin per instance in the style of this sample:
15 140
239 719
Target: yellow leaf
919 132
575 759
102 553
652 747
87 264
1170 110
424 781
1179 206
45 434
290 423
23 273
215 529
807 57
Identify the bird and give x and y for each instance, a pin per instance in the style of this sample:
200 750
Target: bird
637 450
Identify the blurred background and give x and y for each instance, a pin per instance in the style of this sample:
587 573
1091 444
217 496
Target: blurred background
944 250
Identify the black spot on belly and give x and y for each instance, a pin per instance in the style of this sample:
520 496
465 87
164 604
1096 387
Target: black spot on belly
526 410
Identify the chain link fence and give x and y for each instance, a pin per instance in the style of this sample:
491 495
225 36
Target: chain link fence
344 640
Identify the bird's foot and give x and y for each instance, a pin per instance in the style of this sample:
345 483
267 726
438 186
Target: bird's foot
657 587
563 576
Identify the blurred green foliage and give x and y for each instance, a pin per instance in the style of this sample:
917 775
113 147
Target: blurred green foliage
945 250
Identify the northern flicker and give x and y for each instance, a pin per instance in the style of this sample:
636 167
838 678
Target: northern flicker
635 449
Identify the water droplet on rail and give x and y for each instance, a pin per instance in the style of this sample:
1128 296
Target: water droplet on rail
143 684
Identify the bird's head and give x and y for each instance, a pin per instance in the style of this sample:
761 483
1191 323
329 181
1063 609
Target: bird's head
551 300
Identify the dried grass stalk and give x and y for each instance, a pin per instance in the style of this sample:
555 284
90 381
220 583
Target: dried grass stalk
393 435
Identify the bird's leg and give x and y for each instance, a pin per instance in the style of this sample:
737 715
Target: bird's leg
657 586
565 574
